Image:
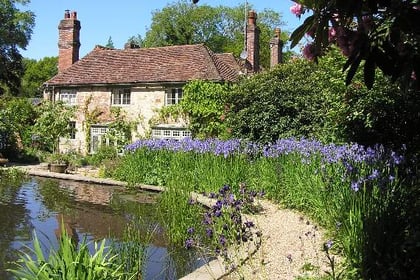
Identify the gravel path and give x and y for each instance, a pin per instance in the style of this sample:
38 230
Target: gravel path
291 247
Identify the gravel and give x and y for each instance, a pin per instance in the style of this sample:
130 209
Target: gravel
291 247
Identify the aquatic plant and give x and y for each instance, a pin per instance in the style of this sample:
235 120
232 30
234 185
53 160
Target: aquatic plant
69 261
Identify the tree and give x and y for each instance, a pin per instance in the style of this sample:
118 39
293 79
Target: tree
36 73
15 32
52 123
110 43
220 28
383 34
16 120
136 41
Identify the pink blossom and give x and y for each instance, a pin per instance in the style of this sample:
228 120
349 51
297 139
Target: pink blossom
331 34
296 9
309 51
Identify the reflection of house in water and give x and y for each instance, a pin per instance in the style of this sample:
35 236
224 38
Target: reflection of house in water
83 192
91 213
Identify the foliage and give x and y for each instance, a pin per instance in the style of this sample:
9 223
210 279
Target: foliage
384 34
103 153
69 262
16 120
119 130
301 98
15 32
110 43
36 73
204 103
90 117
52 123
280 103
220 28
136 41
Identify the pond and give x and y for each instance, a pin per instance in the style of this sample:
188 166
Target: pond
87 211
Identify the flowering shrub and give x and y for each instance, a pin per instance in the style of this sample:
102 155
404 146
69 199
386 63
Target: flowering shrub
367 32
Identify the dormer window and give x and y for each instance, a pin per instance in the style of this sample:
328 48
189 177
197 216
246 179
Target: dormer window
121 96
173 96
68 96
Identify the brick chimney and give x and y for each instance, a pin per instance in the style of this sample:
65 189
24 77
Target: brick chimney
276 47
68 40
252 41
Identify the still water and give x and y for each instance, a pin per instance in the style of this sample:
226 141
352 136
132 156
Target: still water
88 211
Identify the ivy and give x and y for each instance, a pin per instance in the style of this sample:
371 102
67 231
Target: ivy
205 103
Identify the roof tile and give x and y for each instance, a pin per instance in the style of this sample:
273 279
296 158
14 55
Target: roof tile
169 64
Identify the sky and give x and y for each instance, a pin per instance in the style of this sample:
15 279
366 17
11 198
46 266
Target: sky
119 20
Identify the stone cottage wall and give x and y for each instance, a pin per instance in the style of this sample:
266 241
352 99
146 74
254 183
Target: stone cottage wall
145 101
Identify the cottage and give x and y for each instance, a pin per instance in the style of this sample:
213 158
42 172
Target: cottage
138 81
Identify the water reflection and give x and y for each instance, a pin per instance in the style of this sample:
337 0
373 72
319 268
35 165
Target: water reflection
86 210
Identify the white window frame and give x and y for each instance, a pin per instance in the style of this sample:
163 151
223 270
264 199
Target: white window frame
68 96
98 137
121 96
173 96
170 133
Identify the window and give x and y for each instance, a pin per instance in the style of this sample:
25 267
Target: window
72 126
98 137
173 96
68 96
170 133
121 96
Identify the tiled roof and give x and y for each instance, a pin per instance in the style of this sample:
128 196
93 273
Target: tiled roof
149 65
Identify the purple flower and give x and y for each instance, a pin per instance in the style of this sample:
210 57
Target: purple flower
328 245
218 213
209 232
249 224
355 186
222 240
374 175
190 230
189 243
289 257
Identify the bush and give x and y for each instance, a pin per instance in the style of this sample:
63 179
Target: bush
103 153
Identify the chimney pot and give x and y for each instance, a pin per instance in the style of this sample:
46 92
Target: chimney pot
68 40
276 48
252 17
252 42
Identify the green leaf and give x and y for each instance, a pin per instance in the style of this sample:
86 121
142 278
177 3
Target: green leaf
369 72
353 69
299 32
